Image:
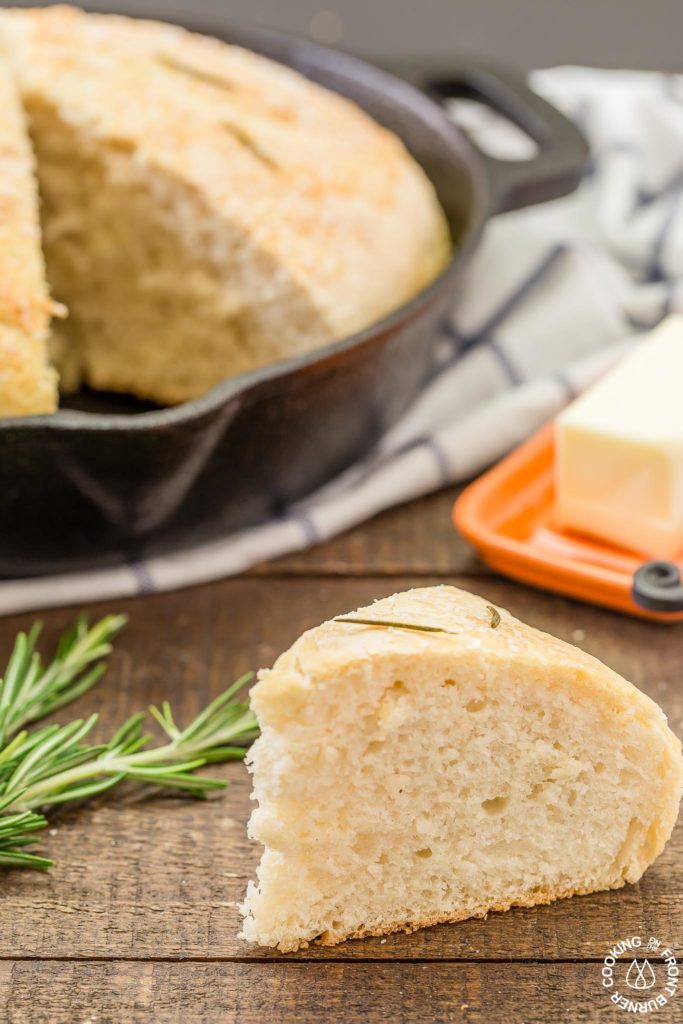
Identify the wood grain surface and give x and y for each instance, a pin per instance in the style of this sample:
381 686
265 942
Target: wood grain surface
138 920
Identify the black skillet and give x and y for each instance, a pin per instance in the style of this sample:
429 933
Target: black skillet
87 488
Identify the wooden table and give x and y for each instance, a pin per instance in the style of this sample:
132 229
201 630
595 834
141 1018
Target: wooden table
138 920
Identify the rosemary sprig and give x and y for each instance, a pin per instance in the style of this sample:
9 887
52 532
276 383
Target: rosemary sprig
53 764
54 767
393 625
29 691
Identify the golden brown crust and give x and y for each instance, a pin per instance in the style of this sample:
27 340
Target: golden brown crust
317 656
24 304
27 384
537 899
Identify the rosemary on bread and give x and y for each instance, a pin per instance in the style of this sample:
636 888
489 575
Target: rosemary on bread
390 624
53 764
494 622
495 616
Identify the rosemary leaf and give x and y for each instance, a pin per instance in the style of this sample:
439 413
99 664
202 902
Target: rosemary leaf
13 859
386 624
495 616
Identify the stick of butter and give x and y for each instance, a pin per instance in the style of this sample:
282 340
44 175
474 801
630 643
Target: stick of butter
619 450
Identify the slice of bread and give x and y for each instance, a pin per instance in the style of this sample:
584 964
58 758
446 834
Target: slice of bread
405 778
27 382
207 211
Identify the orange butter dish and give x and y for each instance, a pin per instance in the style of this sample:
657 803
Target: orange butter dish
592 506
508 514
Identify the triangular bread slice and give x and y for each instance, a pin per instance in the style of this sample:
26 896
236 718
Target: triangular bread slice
28 384
406 777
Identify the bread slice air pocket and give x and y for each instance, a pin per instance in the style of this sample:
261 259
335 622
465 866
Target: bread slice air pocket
407 776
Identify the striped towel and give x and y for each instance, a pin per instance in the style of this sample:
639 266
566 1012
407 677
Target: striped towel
552 296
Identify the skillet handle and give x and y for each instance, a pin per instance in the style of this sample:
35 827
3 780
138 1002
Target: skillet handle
560 162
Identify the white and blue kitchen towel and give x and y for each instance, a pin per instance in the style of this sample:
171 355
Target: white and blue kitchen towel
553 294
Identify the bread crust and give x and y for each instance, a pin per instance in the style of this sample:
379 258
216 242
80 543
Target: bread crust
317 656
541 898
27 383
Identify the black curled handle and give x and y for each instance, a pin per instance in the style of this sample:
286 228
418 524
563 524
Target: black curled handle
562 156
657 586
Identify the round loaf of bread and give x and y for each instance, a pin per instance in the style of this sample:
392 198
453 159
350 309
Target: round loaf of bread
205 210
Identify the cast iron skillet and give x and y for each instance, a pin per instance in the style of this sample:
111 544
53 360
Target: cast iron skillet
80 489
